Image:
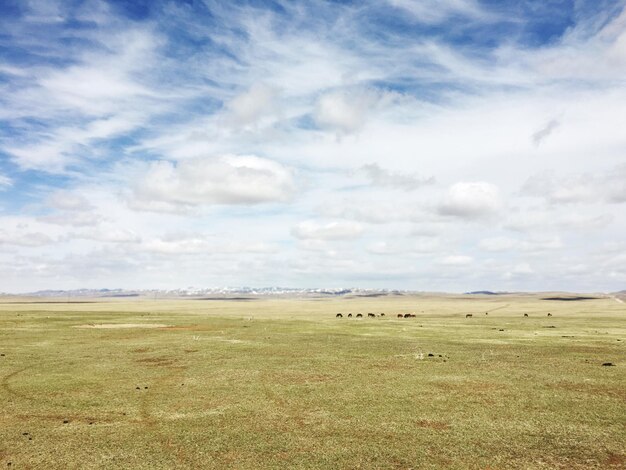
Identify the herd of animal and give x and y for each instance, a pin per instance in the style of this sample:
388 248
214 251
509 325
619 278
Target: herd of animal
373 315
404 315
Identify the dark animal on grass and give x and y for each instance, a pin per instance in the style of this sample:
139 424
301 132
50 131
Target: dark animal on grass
359 315
469 315
549 314
400 315
486 313
371 315
339 315
349 315
382 314
525 314
407 315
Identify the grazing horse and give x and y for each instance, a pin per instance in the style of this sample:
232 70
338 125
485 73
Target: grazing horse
349 315
382 314
525 314
359 315
407 315
469 315
339 315
400 315
371 315
549 314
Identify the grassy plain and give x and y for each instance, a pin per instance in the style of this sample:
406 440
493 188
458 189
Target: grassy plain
284 384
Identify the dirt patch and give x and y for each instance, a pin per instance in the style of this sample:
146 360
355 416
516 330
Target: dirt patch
114 326
438 425
616 460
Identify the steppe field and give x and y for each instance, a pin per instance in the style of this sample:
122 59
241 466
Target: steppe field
283 383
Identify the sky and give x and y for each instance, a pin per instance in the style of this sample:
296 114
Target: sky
430 145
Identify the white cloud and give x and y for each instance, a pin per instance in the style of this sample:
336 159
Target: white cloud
5 182
195 244
346 112
108 235
498 244
519 270
531 244
72 218
229 179
374 211
545 131
68 201
427 246
248 107
341 230
456 260
471 200
24 238
382 177
435 11
609 186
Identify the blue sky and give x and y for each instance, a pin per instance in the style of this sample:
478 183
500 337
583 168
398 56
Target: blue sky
420 144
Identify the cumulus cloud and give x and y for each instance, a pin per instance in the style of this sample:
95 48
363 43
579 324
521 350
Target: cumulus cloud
382 177
248 107
23 238
346 111
230 179
561 190
609 186
195 244
471 200
73 218
71 208
68 201
341 230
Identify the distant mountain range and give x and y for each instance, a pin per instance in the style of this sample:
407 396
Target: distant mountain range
218 292
241 293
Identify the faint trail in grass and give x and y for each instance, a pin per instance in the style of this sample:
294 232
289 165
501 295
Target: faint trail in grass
498 308
148 418
6 385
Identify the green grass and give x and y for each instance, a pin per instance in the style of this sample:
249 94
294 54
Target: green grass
284 384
